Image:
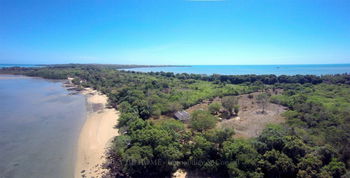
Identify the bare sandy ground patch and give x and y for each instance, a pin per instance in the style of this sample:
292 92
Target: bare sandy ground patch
250 120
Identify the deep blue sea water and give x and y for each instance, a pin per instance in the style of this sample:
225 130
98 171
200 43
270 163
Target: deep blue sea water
314 69
39 128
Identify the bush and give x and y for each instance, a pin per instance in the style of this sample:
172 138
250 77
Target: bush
229 102
202 120
214 108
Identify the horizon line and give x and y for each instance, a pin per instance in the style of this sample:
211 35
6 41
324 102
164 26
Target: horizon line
174 64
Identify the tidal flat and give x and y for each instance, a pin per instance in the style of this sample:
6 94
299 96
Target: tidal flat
40 124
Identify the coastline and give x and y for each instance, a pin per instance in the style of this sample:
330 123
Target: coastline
95 136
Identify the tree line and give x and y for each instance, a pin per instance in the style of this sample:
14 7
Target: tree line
258 79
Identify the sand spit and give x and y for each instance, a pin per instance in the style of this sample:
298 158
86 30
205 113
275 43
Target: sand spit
14 77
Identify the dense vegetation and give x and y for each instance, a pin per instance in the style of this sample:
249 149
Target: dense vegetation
261 79
320 114
315 142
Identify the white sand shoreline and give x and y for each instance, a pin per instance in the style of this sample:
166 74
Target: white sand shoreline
95 136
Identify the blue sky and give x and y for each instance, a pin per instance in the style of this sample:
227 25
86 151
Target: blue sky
175 31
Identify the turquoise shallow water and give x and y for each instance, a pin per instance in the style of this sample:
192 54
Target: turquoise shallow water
39 128
313 69
319 69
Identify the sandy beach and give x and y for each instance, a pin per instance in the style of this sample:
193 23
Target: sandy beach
96 135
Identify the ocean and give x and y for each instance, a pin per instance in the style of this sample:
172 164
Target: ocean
19 65
305 69
39 127
313 69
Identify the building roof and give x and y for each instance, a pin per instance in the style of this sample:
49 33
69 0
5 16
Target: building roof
182 115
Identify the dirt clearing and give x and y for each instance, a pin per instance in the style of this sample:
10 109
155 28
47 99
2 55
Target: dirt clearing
250 120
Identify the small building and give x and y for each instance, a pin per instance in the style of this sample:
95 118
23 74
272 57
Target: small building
182 116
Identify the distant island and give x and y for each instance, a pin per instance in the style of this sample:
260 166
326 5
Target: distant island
217 125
